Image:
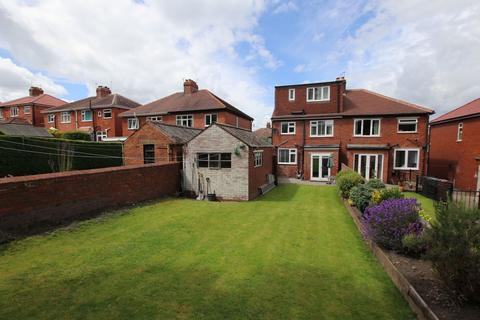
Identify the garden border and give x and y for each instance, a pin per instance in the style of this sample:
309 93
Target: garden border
418 305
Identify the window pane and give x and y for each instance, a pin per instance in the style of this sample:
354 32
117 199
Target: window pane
293 156
412 159
355 164
358 127
282 155
376 127
317 93
366 127
313 128
284 127
310 94
325 93
400 158
379 166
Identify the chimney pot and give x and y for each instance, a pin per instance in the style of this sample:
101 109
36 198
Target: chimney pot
35 91
189 86
269 125
103 91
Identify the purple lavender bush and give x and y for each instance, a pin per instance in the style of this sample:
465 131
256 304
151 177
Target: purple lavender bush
388 222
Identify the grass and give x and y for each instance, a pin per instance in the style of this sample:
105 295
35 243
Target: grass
294 254
427 203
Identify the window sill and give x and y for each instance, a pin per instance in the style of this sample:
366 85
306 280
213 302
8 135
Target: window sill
356 136
287 163
407 132
405 169
287 134
321 136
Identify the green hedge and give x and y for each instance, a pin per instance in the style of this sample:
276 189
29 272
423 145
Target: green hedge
21 156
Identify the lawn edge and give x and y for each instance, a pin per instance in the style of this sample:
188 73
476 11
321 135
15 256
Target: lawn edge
416 302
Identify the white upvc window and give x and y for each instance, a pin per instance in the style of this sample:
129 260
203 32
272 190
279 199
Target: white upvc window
321 128
185 120
460 132
66 117
86 115
315 94
132 123
1 114
100 135
155 119
407 125
50 118
14 112
287 128
291 94
287 156
258 158
26 109
406 159
107 113
210 119
366 128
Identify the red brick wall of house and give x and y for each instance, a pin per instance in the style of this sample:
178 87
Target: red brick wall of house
343 135
257 176
198 120
455 160
165 151
30 202
35 116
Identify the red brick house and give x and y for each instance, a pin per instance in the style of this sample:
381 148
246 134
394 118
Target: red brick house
29 108
319 126
265 134
98 115
157 142
455 146
191 108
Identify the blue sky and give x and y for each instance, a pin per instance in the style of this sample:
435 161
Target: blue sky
241 49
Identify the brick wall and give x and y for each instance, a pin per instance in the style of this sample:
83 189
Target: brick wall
31 203
257 176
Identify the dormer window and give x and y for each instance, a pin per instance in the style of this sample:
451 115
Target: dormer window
315 94
291 94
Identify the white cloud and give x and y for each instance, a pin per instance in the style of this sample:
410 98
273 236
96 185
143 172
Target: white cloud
285 7
299 68
423 53
143 50
15 81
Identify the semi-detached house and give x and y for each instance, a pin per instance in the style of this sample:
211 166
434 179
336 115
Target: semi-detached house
317 127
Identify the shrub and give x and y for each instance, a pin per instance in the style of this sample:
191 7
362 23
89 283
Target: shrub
55 132
414 244
388 222
387 193
77 135
455 248
346 180
375 184
361 196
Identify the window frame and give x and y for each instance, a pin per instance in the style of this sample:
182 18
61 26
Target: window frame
317 128
25 109
14 114
129 121
155 118
107 111
407 119
288 127
64 115
148 160
407 151
460 132
257 158
291 151
102 133
210 116
218 158
1 113
371 127
291 94
51 118
83 113
322 98
184 117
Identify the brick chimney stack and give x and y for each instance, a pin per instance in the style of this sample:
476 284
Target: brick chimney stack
103 91
189 86
269 125
342 88
35 91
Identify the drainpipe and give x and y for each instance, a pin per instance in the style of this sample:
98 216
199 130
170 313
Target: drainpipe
93 121
32 112
76 120
426 158
303 151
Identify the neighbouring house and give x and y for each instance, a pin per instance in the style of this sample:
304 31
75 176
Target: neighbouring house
97 115
191 108
319 126
265 134
29 108
22 128
156 142
455 146
228 161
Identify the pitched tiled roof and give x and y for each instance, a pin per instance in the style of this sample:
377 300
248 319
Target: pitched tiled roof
110 101
244 135
177 134
263 133
15 128
43 99
181 102
470 109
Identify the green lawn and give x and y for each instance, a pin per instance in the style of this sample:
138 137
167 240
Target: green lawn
427 203
294 254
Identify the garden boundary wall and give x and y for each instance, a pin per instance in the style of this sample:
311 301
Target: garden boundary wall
31 204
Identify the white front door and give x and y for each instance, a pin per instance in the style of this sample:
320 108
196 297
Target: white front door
319 168
370 166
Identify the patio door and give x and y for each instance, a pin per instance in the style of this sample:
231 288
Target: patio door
319 167
370 166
